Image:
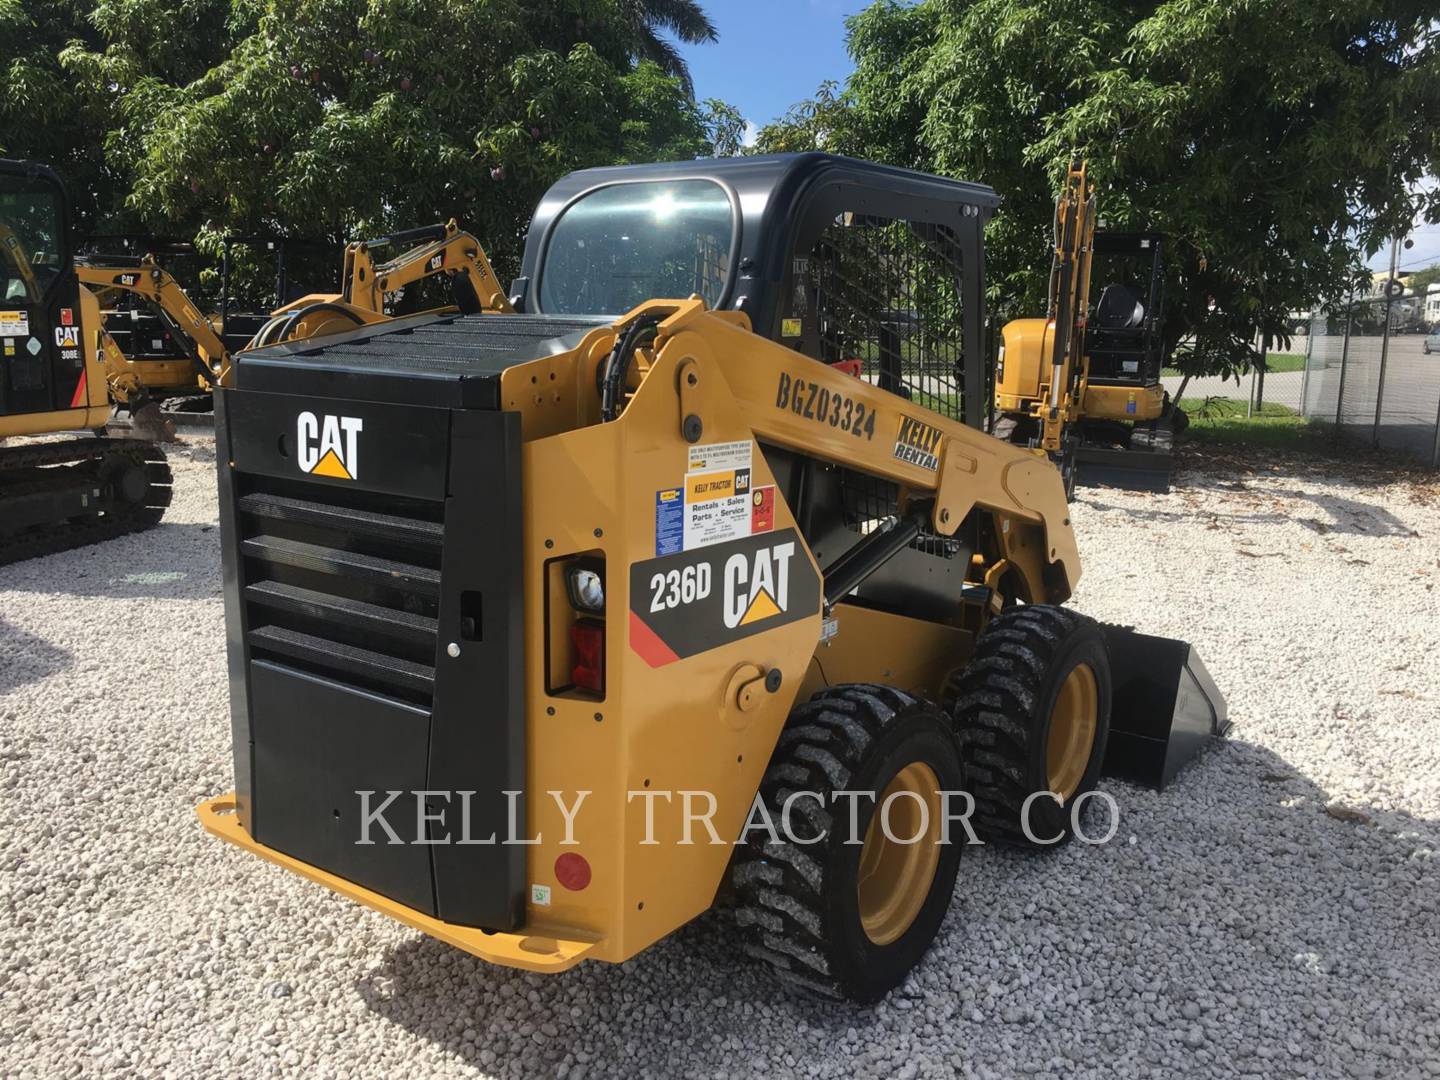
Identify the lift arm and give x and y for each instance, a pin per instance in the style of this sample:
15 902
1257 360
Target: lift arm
944 469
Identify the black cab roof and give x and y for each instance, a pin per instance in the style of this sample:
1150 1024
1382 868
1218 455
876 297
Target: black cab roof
776 198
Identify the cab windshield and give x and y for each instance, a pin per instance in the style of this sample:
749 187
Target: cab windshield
31 229
624 244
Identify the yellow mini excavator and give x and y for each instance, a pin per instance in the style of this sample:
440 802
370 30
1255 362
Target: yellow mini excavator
693 581
1083 384
443 251
180 382
58 372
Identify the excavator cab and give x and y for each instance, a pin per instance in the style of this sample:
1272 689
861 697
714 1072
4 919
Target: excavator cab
42 364
1123 338
1083 384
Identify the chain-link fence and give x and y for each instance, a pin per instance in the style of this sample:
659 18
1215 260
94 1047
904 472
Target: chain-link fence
1372 371
1278 390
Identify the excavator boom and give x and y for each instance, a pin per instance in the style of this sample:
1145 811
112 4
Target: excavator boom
440 250
445 249
155 285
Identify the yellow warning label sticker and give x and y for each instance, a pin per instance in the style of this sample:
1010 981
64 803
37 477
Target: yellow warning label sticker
719 485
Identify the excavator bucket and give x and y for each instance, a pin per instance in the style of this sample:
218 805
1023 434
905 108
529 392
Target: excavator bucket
1144 462
1165 708
148 422
1129 470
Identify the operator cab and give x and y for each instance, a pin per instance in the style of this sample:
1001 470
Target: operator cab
43 362
1123 339
851 263
874 270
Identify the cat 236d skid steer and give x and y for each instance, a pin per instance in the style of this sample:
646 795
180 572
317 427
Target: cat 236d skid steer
707 520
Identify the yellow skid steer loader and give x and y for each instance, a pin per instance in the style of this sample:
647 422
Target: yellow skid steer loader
693 574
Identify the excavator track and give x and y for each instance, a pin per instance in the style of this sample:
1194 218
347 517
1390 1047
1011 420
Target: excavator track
124 484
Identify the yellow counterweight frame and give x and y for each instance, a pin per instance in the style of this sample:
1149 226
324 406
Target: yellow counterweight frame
1022 384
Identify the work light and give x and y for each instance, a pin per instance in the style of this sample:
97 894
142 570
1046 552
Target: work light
586 588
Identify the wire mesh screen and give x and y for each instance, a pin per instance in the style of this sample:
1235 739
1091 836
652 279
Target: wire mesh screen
712 264
886 293
866 501
1371 374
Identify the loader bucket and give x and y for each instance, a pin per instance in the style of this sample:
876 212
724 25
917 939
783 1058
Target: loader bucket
1164 707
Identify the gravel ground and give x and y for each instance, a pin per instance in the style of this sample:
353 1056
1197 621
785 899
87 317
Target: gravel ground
1274 913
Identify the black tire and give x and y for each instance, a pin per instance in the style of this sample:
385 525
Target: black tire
1004 707
799 903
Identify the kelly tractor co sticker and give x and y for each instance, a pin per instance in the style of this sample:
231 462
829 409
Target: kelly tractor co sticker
716 502
694 601
14 324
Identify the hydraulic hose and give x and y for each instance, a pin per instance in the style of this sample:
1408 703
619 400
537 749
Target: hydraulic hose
266 334
323 305
617 365
408 236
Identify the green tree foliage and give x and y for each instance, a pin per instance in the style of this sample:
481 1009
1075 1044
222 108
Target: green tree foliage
58 102
685 19
44 115
336 119
1421 280
1275 141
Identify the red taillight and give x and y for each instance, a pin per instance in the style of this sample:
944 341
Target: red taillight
572 871
588 637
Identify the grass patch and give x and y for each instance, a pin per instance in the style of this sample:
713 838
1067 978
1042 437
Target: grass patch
1224 420
1275 363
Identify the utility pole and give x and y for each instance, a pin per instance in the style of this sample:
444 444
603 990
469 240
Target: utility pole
1385 339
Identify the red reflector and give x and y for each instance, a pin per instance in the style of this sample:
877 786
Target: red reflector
572 871
588 637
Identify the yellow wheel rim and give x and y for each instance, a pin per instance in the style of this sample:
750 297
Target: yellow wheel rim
1072 731
895 878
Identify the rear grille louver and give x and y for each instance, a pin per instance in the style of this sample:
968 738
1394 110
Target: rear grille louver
335 586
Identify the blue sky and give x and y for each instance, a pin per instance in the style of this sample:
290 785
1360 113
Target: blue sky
773 53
